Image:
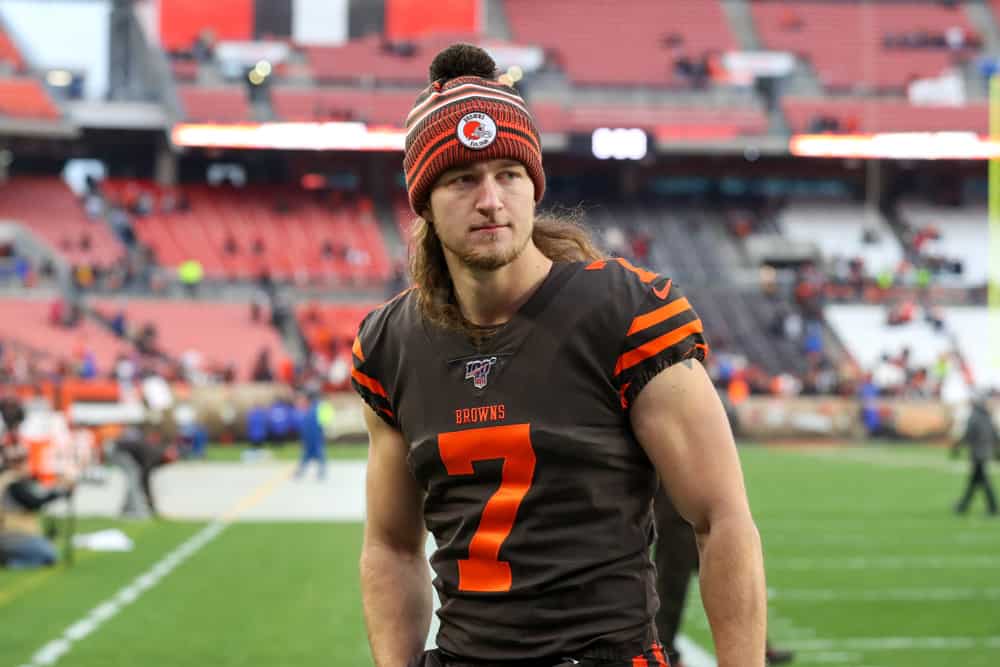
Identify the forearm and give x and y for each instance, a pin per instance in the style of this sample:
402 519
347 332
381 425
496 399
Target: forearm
733 590
396 592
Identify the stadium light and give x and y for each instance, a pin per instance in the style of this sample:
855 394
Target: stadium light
896 146
58 78
619 144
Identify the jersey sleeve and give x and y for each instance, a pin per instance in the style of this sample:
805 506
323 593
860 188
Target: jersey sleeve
365 376
660 328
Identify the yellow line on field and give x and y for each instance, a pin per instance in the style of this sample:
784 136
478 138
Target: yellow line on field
259 494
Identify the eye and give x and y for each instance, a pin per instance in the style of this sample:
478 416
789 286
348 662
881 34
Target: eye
510 173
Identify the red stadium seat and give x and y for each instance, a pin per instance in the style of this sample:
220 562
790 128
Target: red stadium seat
290 233
871 115
221 333
26 98
48 208
600 42
9 52
222 104
844 41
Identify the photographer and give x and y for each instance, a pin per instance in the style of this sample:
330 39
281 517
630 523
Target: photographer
22 544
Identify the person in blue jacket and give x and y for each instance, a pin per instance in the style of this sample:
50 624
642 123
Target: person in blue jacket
311 434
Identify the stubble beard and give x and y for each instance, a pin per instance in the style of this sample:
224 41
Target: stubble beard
490 260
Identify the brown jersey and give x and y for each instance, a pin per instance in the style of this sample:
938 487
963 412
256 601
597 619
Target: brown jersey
537 493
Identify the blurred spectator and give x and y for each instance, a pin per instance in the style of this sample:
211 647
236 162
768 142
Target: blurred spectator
981 437
262 370
311 434
22 544
191 274
257 426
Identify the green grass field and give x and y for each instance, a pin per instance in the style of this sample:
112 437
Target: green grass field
866 567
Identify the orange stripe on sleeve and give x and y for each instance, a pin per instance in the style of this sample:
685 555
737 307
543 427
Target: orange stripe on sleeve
660 658
654 317
369 383
657 345
639 661
644 275
356 349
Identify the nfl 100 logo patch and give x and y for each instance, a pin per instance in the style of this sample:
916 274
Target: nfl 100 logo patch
478 370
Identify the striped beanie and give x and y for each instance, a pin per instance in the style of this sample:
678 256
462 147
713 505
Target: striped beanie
465 115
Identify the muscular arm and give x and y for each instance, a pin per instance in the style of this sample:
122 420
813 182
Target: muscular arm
680 422
395 581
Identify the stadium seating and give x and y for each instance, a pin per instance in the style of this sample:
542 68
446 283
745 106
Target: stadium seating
221 333
597 42
965 236
9 52
27 321
26 98
311 104
864 332
844 40
326 324
50 210
663 121
221 104
838 230
289 228
879 115
370 57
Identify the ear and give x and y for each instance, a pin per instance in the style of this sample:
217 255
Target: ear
427 215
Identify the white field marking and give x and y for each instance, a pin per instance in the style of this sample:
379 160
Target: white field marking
893 644
886 563
891 459
833 656
886 595
51 652
694 655
861 539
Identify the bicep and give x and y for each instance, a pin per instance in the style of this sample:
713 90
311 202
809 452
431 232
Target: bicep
394 499
681 423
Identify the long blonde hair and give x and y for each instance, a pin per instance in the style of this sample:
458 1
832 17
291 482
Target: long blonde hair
560 236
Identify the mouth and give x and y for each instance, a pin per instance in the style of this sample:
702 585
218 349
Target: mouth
492 227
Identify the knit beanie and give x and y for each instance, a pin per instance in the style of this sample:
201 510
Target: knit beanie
465 115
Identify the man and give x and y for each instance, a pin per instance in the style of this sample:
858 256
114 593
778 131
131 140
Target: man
312 435
521 400
22 544
981 437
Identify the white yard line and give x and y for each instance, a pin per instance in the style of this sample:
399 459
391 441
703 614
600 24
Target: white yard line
886 563
893 644
886 595
56 649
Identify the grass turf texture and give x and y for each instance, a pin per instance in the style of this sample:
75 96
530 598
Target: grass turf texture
857 542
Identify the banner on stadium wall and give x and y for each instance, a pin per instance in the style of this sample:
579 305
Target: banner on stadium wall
754 64
290 136
407 19
896 146
320 22
182 21
835 418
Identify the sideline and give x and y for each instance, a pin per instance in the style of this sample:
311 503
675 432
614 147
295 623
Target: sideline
54 650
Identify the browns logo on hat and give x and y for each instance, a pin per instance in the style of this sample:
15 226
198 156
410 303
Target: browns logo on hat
465 115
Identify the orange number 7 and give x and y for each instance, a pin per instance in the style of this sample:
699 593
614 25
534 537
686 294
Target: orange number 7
483 571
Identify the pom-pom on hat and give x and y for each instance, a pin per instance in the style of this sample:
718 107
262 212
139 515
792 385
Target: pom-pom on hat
465 115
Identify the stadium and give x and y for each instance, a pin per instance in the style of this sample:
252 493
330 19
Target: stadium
200 203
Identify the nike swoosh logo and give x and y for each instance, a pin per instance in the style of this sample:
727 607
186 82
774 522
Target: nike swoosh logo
663 291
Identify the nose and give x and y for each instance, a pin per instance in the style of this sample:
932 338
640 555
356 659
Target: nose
488 198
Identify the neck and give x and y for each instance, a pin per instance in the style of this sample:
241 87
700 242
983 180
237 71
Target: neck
490 298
